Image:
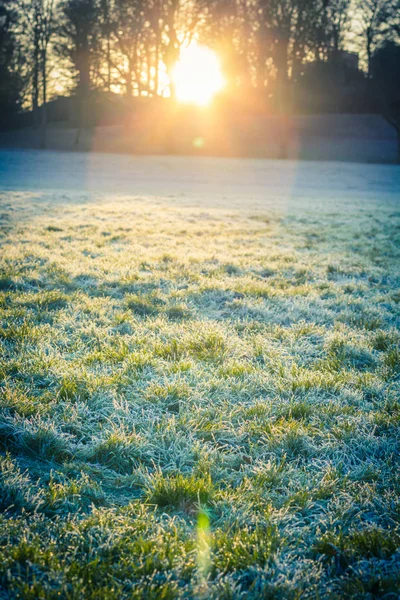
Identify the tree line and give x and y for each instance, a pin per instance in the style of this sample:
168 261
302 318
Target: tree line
267 47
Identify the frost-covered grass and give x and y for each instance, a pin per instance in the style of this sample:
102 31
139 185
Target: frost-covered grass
198 402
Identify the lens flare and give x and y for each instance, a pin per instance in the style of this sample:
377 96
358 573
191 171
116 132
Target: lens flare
203 547
197 75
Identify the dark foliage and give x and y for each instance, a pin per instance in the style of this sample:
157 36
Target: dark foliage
10 79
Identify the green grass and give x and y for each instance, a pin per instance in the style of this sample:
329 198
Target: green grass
198 403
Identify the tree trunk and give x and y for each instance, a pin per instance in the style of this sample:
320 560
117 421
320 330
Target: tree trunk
148 68
170 59
369 54
108 62
35 79
128 80
156 66
284 120
43 133
281 61
81 115
172 86
83 88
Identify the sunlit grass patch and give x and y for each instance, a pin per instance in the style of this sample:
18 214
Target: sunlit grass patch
391 361
245 548
73 386
64 495
120 451
144 305
48 300
170 393
171 349
47 443
18 333
17 491
208 345
235 369
17 401
300 410
344 354
384 340
367 542
178 312
182 492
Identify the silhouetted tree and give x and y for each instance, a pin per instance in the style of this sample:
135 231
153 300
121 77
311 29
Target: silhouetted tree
37 26
374 24
79 42
385 70
331 28
292 28
46 33
106 28
179 19
127 22
223 29
32 27
40 24
11 81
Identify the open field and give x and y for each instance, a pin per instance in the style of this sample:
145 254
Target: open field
199 378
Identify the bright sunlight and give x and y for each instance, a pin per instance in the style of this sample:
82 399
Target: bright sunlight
198 75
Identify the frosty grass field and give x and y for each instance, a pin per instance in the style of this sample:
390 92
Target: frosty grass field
199 378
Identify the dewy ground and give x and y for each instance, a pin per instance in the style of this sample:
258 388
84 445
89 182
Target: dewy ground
199 378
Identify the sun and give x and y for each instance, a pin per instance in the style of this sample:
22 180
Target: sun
197 75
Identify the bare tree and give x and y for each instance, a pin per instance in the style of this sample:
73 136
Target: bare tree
37 22
373 20
338 21
35 33
106 28
331 28
179 19
131 39
291 27
79 42
146 33
46 32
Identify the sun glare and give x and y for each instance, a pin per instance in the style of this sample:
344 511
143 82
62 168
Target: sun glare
197 75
